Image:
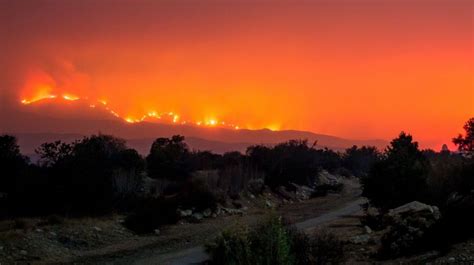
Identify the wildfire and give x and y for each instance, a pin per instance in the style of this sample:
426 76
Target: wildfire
70 97
170 117
211 122
38 98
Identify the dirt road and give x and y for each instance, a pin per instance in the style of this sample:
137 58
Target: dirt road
196 255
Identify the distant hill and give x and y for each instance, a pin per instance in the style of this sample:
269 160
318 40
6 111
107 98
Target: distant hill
47 123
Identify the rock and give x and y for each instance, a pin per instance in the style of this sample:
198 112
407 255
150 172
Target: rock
214 215
39 230
252 196
407 227
360 239
218 211
245 208
232 211
416 208
197 217
53 233
98 229
256 186
23 252
326 182
268 204
302 192
452 260
185 213
207 213
285 194
368 230
157 231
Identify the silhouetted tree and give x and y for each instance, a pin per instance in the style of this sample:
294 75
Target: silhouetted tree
466 142
93 165
206 160
293 161
169 158
51 153
399 177
328 159
360 160
12 163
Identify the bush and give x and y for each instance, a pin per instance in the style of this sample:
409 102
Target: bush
410 235
231 248
273 243
256 186
196 194
326 248
268 243
54 220
21 224
152 213
319 248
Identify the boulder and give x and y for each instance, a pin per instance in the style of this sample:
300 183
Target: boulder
360 239
302 192
197 217
207 213
231 211
415 208
326 182
185 213
409 227
325 178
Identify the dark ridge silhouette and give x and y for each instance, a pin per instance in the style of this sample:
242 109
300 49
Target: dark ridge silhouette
43 122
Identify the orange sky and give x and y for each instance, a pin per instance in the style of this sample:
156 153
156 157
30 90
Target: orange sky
355 69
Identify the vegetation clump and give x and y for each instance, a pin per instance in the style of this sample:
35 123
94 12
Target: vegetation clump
406 174
271 242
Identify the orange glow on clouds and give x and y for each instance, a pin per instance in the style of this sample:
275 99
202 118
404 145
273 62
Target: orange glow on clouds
355 69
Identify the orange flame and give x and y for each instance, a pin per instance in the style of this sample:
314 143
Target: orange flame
70 97
171 117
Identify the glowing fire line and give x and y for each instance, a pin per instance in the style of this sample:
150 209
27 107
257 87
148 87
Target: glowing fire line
168 116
